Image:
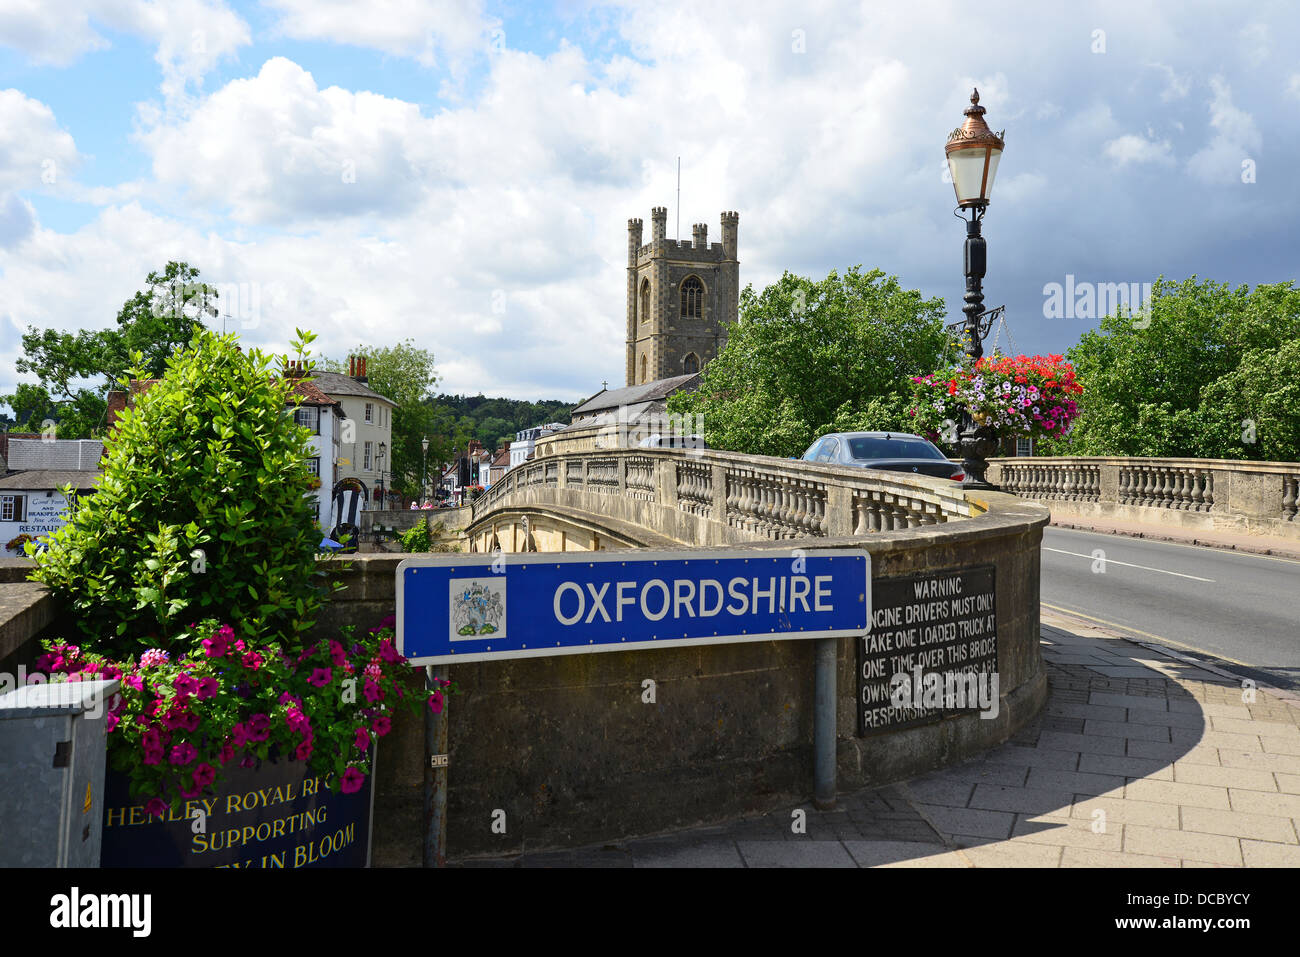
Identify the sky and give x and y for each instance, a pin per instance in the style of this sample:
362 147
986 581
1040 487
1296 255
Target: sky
460 174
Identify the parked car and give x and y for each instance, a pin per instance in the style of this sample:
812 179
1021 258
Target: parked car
891 451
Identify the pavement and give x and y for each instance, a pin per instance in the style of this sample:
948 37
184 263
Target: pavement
1211 538
1142 757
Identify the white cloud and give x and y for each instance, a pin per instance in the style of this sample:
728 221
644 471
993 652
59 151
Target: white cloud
426 30
1293 85
1177 85
191 35
34 151
1137 149
1236 138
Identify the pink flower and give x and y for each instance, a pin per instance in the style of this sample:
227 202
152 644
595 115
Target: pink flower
208 687
298 721
320 677
189 792
388 652
152 756
227 753
239 644
153 658
372 691
382 725
352 781
185 685
151 739
156 807
216 646
435 702
286 698
183 753
238 736
259 727
363 739
111 720
304 751
337 655
252 660
204 775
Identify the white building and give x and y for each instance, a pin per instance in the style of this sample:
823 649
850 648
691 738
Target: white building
366 442
522 447
31 502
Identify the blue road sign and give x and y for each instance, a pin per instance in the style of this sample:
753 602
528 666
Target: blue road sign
479 607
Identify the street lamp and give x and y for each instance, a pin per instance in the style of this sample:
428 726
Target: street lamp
424 467
973 152
380 455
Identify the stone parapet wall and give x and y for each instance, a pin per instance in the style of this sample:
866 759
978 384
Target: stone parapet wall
1257 497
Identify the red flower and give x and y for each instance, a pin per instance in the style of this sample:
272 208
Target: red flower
352 781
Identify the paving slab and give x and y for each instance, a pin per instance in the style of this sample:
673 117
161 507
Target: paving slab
1156 764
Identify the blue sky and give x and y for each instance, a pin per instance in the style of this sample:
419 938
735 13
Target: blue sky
461 174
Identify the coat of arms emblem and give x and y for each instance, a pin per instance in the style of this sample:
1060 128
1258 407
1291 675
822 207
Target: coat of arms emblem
478 608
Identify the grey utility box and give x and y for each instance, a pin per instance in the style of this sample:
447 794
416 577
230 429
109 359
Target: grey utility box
52 753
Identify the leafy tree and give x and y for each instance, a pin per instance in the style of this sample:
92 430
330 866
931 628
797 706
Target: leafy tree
1253 412
153 323
811 357
1153 379
202 510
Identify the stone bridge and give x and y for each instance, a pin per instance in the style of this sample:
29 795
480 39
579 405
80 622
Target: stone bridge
569 747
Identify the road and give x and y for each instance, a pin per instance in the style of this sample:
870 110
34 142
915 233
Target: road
1240 609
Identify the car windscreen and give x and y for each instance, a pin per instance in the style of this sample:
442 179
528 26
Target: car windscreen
877 447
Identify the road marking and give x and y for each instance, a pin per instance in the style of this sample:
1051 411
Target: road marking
1146 634
1159 541
1112 561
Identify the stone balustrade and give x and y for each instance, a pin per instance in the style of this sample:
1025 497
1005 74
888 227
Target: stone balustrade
1259 497
723 496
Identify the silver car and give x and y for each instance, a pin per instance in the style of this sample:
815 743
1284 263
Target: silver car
891 451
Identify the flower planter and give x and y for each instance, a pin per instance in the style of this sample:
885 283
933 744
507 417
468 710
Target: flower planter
278 815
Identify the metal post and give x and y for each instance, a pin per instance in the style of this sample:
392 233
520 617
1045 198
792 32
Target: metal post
435 778
824 721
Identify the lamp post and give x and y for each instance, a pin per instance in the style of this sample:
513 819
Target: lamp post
424 467
380 455
973 152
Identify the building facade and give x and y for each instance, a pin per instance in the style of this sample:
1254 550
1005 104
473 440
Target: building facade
366 439
681 297
526 439
32 504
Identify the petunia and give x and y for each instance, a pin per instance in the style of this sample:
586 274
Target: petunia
183 753
320 677
352 781
382 725
204 775
185 685
259 727
208 687
363 739
435 702
155 807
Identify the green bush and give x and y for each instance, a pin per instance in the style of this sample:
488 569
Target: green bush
421 538
202 511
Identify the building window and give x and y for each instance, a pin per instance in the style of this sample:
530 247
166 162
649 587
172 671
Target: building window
692 298
370 413
1024 446
643 368
13 508
308 416
366 459
645 300
691 363
313 465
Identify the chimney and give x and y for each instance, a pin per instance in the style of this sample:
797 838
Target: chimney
352 366
361 369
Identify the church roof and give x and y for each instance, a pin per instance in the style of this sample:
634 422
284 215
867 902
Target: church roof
633 394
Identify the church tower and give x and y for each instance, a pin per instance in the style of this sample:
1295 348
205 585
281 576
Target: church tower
681 297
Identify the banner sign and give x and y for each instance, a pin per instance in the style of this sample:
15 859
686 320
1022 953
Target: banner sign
482 607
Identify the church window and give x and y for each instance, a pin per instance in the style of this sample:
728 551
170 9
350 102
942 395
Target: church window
645 300
691 363
692 298
643 368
